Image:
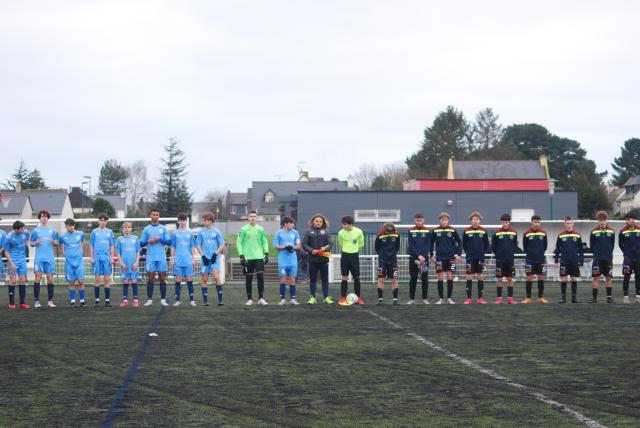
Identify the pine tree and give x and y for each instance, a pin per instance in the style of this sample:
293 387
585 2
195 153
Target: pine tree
628 163
448 137
113 177
172 196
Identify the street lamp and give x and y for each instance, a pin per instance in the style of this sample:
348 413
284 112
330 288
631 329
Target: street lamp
552 191
88 177
83 196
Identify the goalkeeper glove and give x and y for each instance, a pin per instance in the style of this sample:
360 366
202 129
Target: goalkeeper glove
289 248
243 261
214 257
205 260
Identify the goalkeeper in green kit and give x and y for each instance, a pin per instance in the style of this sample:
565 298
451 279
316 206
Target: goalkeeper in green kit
253 250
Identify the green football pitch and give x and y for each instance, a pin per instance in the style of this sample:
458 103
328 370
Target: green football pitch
389 366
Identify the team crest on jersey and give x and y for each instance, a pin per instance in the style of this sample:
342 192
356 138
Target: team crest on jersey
322 232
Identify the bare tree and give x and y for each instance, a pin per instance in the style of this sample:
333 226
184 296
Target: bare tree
364 176
139 187
395 174
217 202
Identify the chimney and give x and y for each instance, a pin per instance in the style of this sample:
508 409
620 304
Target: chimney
18 186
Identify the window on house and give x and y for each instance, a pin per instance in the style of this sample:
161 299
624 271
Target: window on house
269 197
376 216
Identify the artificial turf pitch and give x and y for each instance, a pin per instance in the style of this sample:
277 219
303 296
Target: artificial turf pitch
318 366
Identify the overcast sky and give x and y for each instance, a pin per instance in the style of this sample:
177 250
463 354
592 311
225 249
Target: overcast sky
252 88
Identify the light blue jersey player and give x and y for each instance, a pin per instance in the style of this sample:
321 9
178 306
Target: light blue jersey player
287 241
128 252
71 246
183 248
102 242
210 245
15 246
44 238
155 237
3 238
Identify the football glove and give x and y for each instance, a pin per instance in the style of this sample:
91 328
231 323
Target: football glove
214 257
243 261
289 248
205 260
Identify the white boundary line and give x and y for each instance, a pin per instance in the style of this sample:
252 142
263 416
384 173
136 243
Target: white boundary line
522 388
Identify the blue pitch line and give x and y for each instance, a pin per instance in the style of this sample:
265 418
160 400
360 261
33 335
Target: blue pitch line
113 410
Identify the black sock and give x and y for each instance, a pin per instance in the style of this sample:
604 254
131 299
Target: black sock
49 291
425 285
574 288
395 293
412 290
441 289
12 292
609 290
163 290
22 291
594 293
380 292
480 288
260 285
625 285
563 289
540 288
344 286
469 287
449 288
356 286
510 290
248 286
36 292
528 287
107 294
499 290
150 286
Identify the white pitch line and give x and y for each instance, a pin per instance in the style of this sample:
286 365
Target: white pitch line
520 387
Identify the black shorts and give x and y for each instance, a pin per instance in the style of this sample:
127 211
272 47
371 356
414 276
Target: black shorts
569 269
254 266
445 265
630 266
505 269
602 268
388 270
535 268
475 266
350 262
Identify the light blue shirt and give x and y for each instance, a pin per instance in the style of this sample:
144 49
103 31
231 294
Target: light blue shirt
102 240
47 236
128 248
209 240
284 238
16 245
184 243
156 251
72 244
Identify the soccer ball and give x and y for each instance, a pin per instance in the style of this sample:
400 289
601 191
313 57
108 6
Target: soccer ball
352 298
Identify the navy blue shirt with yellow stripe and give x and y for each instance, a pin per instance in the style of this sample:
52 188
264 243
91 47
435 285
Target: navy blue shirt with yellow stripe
504 243
446 242
602 241
534 244
419 242
629 242
387 246
569 248
475 242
